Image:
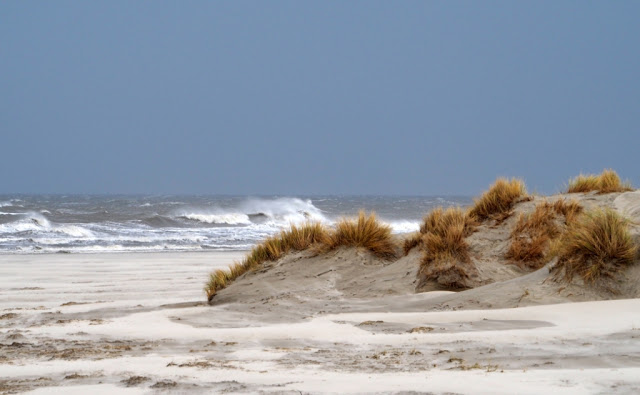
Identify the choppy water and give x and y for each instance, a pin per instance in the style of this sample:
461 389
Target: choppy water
41 223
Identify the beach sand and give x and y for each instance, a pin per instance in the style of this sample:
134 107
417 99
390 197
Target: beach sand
139 323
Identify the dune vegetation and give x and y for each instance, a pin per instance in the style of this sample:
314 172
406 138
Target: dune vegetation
445 252
497 202
444 233
365 232
606 182
568 209
297 238
532 233
598 244
411 242
442 223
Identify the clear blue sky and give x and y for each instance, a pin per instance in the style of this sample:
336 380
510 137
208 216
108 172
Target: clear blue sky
301 97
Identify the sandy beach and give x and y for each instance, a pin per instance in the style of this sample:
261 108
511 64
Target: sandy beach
138 323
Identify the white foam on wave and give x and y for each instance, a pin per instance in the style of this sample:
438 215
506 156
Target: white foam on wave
36 222
6 204
284 210
223 218
74 230
278 212
31 221
404 226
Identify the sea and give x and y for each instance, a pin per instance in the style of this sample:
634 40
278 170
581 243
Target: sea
124 223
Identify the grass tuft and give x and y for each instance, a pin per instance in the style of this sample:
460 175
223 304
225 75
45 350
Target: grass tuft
606 182
364 231
569 210
411 242
297 238
598 244
438 222
498 200
300 238
532 234
446 256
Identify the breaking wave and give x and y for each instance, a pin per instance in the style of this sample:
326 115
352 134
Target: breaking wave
227 219
282 211
32 222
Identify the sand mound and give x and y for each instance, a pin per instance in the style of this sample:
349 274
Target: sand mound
300 285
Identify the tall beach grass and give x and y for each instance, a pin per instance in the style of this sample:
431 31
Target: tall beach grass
498 201
606 182
445 256
598 244
532 234
365 232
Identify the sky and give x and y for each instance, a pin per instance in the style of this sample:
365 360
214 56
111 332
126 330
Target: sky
315 97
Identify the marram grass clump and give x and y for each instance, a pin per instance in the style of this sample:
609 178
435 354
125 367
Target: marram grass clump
532 234
597 245
447 244
446 258
569 209
365 232
441 222
297 238
606 182
498 201
411 242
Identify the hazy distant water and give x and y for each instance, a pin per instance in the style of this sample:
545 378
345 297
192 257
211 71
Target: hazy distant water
41 223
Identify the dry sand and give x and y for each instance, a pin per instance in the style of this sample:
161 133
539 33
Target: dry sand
341 322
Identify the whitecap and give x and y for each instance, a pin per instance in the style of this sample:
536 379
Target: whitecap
226 218
404 226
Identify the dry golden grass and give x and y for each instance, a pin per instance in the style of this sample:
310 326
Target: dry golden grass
411 242
450 244
569 210
217 281
541 220
606 182
438 222
531 236
446 253
529 252
365 232
300 238
498 200
297 238
596 245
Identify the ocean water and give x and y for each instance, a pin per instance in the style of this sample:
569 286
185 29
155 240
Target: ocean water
84 224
